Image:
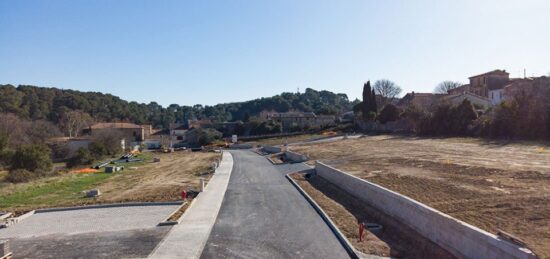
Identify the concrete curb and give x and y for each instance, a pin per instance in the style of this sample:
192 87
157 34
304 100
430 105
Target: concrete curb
343 240
167 222
188 239
110 205
15 220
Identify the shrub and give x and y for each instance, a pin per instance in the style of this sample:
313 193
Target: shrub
462 117
20 176
5 157
82 157
207 136
32 158
4 141
98 149
389 113
371 116
107 143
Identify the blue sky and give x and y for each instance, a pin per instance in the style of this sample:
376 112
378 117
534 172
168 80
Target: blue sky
207 52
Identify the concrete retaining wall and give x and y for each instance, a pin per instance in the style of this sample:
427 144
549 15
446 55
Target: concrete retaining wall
295 157
459 238
271 149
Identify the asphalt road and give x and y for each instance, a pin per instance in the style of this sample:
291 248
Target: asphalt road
264 216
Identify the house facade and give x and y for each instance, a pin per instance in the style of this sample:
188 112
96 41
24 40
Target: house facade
301 119
477 101
130 132
483 83
419 100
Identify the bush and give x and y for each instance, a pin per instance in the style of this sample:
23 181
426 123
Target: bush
106 144
389 113
207 136
82 157
5 157
371 116
21 176
32 158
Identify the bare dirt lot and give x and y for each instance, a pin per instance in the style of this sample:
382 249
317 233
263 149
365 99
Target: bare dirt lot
491 185
161 181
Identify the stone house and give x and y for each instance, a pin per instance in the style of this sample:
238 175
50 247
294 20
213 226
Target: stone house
301 119
130 132
477 101
493 80
420 100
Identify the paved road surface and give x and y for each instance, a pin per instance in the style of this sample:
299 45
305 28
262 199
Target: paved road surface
264 216
89 220
113 232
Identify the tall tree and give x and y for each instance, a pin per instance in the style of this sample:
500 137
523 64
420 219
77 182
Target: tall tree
367 99
73 122
373 102
445 86
386 90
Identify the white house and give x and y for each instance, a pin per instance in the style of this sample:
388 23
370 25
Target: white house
496 96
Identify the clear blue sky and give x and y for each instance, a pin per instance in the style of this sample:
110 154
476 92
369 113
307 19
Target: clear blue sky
207 52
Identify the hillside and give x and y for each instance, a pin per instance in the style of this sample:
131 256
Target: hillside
40 103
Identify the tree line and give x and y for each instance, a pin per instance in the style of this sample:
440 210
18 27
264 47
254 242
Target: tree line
55 105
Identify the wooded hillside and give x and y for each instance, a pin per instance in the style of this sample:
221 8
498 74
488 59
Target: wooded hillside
40 103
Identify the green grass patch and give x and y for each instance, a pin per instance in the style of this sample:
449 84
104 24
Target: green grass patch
55 192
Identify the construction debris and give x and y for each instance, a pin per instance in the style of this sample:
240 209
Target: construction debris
92 193
112 169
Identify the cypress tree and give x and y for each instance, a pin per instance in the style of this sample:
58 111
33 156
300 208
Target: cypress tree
366 106
374 106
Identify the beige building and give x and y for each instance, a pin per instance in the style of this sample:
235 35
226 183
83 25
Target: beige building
482 84
420 100
477 101
301 119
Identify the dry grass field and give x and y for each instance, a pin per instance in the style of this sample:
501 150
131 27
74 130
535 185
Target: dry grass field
148 181
491 185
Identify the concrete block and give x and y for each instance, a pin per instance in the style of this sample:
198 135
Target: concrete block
92 193
459 238
295 157
240 146
271 149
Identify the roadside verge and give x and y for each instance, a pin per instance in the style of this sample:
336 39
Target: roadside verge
187 239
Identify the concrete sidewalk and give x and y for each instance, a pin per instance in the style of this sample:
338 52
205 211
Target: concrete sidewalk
187 239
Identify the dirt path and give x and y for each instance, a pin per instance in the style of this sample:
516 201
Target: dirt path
490 185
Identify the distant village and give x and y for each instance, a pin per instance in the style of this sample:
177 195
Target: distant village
483 91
